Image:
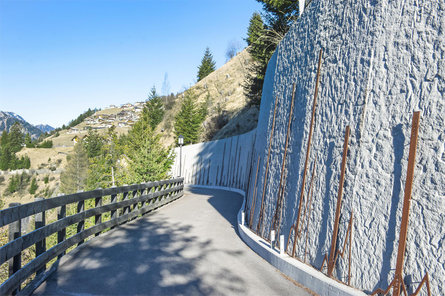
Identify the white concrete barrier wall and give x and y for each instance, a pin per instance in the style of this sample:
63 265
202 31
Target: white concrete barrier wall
224 163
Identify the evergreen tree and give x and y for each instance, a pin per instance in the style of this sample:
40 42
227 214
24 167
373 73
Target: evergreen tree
263 38
148 160
16 138
74 177
5 157
28 141
4 138
189 119
104 163
155 109
93 143
255 29
207 65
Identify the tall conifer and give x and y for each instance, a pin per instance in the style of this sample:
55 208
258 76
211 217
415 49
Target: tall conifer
207 65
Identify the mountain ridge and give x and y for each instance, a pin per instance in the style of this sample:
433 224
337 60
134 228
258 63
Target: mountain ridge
7 119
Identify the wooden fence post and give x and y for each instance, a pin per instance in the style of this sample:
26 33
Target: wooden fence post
114 213
98 218
81 224
125 197
15 232
61 235
39 222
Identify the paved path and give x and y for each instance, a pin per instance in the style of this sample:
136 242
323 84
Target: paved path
189 247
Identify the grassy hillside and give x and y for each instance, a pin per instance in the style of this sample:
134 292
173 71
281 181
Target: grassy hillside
229 114
224 88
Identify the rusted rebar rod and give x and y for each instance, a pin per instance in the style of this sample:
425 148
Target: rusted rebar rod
288 237
342 252
311 193
283 164
426 281
397 282
311 184
260 218
331 261
406 202
308 150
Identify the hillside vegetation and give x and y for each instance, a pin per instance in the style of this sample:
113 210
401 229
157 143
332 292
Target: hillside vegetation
227 113
222 91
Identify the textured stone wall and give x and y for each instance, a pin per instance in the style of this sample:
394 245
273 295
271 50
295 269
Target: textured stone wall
382 60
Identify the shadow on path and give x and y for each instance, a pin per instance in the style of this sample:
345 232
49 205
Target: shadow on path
186 248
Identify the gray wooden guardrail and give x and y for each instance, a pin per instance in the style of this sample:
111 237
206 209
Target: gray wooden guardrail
125 203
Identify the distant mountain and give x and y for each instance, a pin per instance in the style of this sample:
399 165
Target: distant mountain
45 128
7 119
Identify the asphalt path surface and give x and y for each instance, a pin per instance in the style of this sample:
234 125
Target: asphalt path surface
189 247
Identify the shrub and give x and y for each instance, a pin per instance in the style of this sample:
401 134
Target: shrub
46 144
18 183
33 187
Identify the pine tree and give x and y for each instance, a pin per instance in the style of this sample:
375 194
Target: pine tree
16 137
255 29
149 161
207 65
104 163
189 119
74 177
155 109
28 141
263 38
5 157
93 143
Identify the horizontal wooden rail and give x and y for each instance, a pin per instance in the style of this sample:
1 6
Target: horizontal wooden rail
13 214
136 200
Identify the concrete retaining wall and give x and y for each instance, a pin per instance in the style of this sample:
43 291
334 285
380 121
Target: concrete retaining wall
225 162
382 61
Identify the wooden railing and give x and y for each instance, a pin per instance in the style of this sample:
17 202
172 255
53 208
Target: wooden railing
117 205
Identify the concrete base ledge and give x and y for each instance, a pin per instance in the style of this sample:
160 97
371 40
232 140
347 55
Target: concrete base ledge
304 274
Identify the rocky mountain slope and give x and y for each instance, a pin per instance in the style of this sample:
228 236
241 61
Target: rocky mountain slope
45 128
7 119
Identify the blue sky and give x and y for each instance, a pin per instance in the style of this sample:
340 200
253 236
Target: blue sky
60 57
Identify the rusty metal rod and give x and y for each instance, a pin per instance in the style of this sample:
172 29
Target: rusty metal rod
252 207
311 183
308 150
280 213
260 218
331 261
311 193
325 259
288 237
406 202
283 165
426 281
347 240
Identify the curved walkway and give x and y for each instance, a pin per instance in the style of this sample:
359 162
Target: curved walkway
189 247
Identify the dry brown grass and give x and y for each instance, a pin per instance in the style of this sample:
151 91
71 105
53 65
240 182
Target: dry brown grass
224 88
